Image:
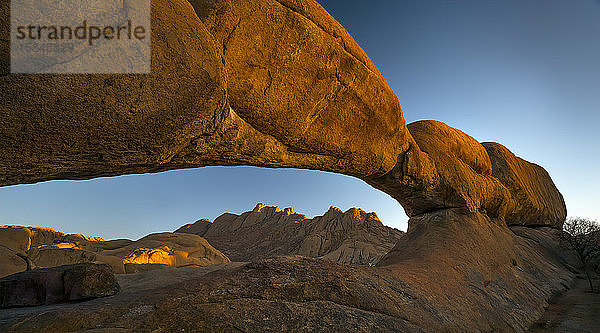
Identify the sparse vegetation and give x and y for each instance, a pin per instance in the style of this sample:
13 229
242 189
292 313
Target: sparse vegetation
583 237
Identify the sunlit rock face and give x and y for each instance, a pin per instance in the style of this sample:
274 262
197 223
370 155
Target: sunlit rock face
25 248
482 178
351 237
170 249
536 200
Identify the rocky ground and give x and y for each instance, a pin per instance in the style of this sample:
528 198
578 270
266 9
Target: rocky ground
576 310
282 294
463 275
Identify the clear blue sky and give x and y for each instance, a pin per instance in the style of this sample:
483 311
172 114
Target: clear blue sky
523 73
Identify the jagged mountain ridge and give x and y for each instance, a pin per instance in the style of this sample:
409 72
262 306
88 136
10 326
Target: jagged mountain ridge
351 237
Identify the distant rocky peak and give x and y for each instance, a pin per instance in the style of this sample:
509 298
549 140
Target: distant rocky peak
360 215
259 206
268 210
373 217
199 227
353 214
332 213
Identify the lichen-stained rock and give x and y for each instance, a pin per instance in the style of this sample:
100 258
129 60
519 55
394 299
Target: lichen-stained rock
537 200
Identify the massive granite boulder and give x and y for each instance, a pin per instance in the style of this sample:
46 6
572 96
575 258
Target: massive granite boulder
170 249
463 167
191 111
57 284
295 74
11 262
536 199
463 173
351 237
15 238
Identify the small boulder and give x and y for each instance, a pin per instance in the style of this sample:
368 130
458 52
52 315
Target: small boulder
57 284
10 262
16 238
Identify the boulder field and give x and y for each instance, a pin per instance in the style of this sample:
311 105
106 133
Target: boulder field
26 248
279 83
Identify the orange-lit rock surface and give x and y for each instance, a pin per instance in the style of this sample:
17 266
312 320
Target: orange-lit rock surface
170 249
536 200
45 247
284 87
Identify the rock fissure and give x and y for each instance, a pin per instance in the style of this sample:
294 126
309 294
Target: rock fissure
228 38
339 38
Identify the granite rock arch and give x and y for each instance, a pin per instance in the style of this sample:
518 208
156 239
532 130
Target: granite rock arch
271 83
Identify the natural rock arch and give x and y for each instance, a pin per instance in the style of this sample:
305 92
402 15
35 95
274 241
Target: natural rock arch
281 84
265 83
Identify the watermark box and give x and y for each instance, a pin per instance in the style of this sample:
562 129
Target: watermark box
80 36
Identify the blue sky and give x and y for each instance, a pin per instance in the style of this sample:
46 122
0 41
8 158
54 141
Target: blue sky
520 72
